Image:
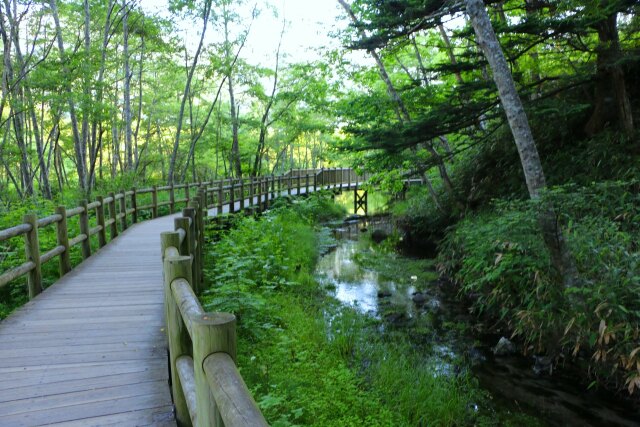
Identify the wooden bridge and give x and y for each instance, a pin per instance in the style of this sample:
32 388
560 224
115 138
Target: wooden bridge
91 350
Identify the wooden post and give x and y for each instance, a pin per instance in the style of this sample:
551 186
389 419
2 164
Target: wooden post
154 201
251 190
183 223
32 253
220 197
169 239
123 211
306 183
172 199
241 194
186 192
232 196
211 333
265 190
298 180
177 334
113 215
102 234
315 182
191 213
84 229
205 197
134 205
200 217
62 237
290 182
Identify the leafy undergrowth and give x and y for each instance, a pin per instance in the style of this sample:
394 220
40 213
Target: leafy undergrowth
498 257
307 359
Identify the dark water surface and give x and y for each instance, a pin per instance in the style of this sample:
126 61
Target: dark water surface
406 294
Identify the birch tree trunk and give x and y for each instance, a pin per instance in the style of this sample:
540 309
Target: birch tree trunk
554 239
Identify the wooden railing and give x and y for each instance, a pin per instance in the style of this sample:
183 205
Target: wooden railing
206 386
114 213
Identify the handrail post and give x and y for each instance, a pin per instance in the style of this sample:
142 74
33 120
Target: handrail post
84 229
123 211
220 197
186 192
315 182
232 196
241 194
273 187
154 201
113 215
202 212
251 190
177 334
306 183
192 213
102 234
211 333
62 237
265 184
32 253
205 197
298 180
183 223
290 182
169 239
134 205
172 198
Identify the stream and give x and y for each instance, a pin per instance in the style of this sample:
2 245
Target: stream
406 294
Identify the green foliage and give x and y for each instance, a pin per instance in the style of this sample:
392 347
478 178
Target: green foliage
307 359
499 259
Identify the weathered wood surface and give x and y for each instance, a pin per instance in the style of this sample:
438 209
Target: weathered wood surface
91 349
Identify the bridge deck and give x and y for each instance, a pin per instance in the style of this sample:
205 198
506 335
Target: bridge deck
91 350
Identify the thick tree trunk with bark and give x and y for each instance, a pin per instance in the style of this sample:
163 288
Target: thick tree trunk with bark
554 239
610 78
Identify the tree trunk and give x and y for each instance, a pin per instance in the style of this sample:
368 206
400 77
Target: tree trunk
128 145
554 239
187 90
93 154
609 72
77 140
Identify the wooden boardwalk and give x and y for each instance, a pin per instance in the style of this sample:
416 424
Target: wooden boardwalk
91 350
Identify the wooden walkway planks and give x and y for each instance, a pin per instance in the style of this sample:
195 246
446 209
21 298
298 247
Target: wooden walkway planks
91 349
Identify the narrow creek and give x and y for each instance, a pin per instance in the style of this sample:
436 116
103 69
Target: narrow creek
406 295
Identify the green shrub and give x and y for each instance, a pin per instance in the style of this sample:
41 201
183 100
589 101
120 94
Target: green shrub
498 257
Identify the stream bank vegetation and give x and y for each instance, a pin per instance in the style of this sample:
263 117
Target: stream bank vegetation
308 359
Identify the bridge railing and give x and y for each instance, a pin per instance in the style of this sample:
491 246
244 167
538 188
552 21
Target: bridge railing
107 216
206 386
